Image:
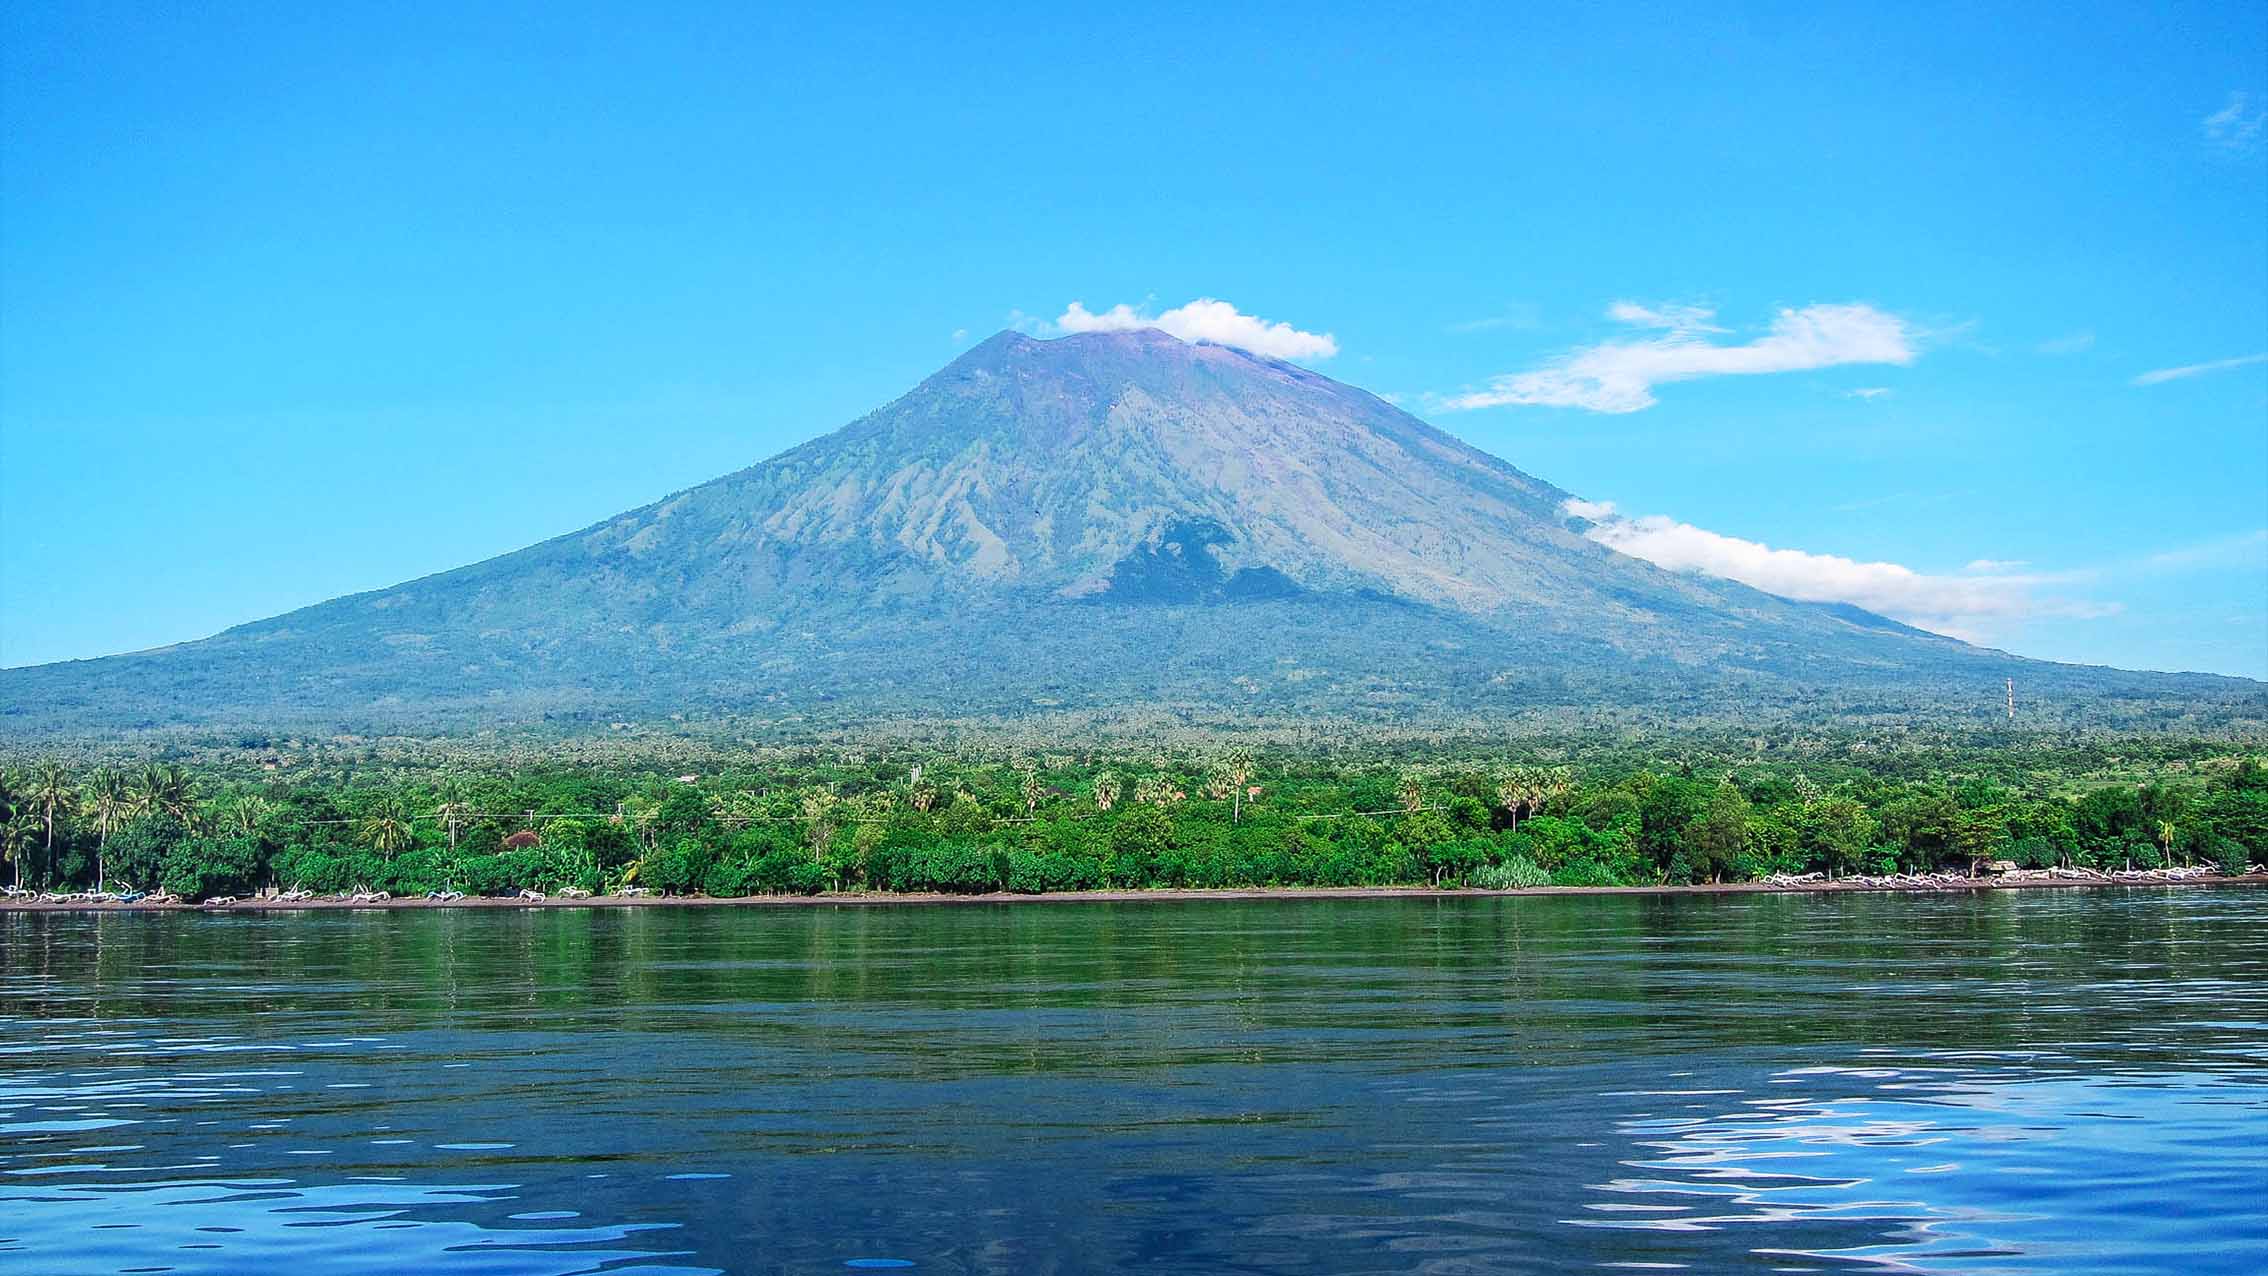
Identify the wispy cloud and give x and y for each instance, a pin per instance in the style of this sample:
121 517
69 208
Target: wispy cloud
1620 376
1518 315
2162 375
1206 319
2236 126
2243 549
2073 344
1869 392
1986 596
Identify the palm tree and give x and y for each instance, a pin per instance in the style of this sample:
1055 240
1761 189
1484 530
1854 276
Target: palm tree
387 827
165 790
736 808
1156 790
1523 790
1411 789
17 838
452 813
51 794
110 802
245 813
817 807
8 821
1231 775
1106 791
2166 838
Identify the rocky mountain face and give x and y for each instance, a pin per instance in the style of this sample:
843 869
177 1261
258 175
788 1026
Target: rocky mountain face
1108 522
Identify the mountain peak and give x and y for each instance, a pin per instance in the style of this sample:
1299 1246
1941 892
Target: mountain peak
1107 518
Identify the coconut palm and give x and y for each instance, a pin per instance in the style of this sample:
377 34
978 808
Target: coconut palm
455 809
1106 791
243 814
453 812
165 790
17 838
110 803
9 811
51 795
387 827
818 810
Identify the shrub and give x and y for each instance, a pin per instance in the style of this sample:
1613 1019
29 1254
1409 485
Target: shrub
416 872
1516 874
1586 872
679 868
202 867
779 871
1139 839
2229 857
137 855
1035 871
323 867
958 868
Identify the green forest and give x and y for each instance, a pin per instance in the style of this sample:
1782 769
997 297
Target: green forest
780 821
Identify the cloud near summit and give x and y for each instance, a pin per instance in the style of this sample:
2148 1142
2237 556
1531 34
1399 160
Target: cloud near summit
1620 376
1987 597
1206 319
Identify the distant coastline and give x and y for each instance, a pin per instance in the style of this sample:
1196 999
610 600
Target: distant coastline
870 899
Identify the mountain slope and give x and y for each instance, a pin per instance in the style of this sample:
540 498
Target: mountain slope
1110 520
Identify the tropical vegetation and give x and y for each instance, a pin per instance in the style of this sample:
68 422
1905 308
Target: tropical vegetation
784 821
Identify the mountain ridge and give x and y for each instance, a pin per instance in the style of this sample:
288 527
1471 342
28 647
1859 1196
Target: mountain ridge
1106 518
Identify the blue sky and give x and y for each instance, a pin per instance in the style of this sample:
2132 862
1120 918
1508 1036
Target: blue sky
297 301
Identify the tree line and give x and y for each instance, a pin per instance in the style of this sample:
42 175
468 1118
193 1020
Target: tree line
1061 821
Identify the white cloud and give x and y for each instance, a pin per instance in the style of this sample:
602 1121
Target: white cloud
1518 315
1675 318
2073 344
1995 566
2162 375
2244 549
1206 320
1620 376
1988 596
2236 126
1869 392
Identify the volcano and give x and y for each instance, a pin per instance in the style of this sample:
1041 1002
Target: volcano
1105 523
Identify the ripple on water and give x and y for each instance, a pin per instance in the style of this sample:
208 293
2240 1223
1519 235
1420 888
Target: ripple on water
2066 1085
2074 1173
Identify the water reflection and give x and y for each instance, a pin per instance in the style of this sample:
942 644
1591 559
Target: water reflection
1971 1161
2057 1082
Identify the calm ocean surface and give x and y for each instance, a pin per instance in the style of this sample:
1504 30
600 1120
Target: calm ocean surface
2061 1081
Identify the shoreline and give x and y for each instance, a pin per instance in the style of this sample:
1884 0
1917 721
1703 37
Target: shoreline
879 899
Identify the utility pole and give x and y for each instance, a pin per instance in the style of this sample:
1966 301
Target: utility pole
2011 699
